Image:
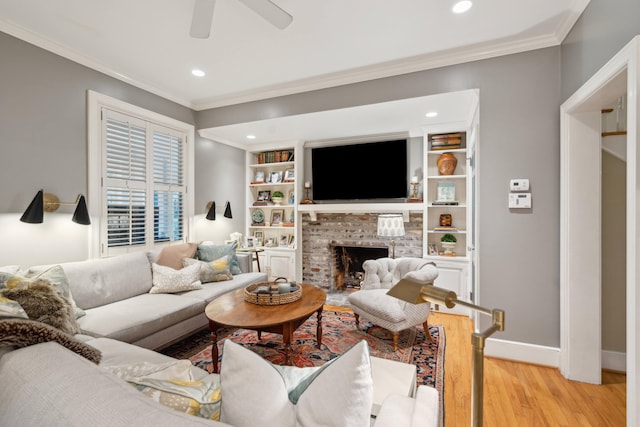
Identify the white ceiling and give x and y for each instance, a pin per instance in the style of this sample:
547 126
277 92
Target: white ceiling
329 42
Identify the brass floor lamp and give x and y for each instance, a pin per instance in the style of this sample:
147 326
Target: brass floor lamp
416 293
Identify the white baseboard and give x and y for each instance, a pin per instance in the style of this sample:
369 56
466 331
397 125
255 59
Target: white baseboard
614 360
523 352
546 356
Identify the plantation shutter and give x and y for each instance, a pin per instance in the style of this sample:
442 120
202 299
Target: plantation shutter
168 187
144 189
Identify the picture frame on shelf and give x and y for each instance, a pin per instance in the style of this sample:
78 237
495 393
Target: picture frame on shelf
270 242
250 242
258 235
446 191
264 195
289 175
259 177
284 240
432 249
275 177
277 216
292 241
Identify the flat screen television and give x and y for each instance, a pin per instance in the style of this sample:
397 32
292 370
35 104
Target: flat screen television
366 171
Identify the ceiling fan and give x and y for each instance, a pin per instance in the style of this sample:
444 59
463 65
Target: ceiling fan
203 15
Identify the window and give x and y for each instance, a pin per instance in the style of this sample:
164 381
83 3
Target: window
144 167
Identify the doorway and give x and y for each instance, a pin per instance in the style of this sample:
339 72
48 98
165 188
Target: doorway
580 223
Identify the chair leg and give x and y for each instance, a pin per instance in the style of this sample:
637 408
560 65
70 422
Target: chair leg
425 325
395 341
357 320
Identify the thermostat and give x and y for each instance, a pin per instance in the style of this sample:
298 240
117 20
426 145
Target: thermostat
519 184
519 200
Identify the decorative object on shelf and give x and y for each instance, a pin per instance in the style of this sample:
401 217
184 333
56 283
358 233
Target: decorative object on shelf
416 293
264 195
432 249
447 141
259 178
277 197
307 200
448 242
292 199
414 191
276 217
257 217
34 214
275 177
283 242
289 175
390 226
446 192
447 163
445 220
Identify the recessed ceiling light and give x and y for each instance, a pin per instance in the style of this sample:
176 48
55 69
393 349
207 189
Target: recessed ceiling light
251 137
432 114
462 6
197 73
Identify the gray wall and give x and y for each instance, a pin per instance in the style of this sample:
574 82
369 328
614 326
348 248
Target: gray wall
43 144
519 138
604 28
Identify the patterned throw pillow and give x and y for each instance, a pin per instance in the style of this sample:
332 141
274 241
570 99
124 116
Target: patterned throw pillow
214 271
11 308
207 252
166 280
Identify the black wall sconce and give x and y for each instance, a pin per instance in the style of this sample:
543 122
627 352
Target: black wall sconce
211 211
50 203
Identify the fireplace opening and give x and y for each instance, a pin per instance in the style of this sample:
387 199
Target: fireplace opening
347 264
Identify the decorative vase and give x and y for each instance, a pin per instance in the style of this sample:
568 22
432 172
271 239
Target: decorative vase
277 200
448 248
447 164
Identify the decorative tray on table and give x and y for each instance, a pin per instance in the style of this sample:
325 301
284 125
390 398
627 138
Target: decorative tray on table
280 291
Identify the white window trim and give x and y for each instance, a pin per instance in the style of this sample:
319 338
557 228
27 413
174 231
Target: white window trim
95 103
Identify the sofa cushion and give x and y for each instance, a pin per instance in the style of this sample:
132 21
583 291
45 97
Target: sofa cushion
209 252
137 317
167 280
11 308
215 271
213 290
102 281
172 256
339 393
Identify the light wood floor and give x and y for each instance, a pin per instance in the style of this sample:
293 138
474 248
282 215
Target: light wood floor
520 394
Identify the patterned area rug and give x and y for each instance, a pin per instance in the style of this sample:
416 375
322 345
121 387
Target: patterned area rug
339 333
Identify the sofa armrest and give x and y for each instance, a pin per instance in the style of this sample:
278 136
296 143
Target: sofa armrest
245 261
403 411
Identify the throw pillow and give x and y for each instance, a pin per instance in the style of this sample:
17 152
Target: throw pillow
10 308
167 280
337 393
42 303
23 333
172 256
54 275
208 253
214 271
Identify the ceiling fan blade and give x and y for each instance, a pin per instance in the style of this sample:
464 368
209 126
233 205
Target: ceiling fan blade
202 17
270 12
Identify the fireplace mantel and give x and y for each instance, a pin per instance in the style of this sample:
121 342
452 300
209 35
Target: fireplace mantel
360 207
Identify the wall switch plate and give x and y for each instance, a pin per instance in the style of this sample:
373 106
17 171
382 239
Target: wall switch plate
521 184
519 200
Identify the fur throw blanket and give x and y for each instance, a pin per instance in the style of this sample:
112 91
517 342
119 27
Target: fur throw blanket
43 303
23 333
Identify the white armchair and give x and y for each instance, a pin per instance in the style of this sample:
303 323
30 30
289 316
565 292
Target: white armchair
373 304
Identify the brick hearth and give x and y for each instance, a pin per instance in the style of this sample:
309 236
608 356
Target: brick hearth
346 229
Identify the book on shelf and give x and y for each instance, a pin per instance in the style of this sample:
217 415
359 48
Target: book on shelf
447 141
262 203
276 156
445 229
445 203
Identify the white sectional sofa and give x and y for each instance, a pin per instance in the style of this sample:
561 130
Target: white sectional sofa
114 294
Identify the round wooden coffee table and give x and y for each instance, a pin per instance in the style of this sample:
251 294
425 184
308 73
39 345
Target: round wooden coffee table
232 311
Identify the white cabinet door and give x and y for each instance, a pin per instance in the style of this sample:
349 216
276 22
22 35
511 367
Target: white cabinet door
453 275
280 264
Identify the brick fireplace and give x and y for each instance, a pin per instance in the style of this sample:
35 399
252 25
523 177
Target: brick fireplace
323 240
